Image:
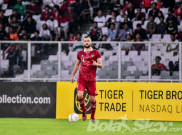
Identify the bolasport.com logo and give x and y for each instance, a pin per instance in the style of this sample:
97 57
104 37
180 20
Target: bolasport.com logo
137 126
19 99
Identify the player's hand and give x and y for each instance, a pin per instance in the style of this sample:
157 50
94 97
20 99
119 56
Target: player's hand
72 79
94 63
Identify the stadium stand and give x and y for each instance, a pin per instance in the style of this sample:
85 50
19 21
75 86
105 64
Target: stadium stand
46 20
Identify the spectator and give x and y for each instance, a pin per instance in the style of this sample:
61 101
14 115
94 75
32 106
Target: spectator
126 6
100 19
71 38
45 33
38 47
147 4
26 15
151 26
24 37
112 32
95 32
23 32
173 66
112 19
124 32
114 6
154 11
139 16
126 21
161 27
106 46
71 2
160 14
159 4
136 3
12 60
168 3
3 19
171 17
56 12
173 46
19 7
15 13
158 67
46 14
77 46
58 2
29 25
72 25
12 34
120 17
36 36
141 31
178 13
2 32
179 36
138 46
177 4
53 26
34 8
15 24
89 5
79 9
64 7
63 24
65 48
127 46
171 28
130 12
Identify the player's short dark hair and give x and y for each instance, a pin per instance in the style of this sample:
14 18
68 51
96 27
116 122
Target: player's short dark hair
158 57
87 36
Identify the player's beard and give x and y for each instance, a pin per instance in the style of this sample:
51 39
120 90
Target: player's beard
87 46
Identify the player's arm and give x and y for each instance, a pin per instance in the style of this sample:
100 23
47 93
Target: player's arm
98 63
76 67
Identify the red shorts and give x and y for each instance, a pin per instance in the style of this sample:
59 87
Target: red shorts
89 85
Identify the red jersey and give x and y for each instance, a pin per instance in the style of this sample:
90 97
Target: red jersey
160 66
147 3
87 70
178 13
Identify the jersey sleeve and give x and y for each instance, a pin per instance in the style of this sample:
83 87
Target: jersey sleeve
78 56
98 56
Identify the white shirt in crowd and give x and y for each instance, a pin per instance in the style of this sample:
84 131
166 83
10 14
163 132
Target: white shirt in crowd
100 21
64 25
44 33
119 18
52 25
58 2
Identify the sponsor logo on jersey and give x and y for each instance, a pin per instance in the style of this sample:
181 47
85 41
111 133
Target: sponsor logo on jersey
92 55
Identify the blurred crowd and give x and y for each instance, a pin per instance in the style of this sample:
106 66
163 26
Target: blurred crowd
62 20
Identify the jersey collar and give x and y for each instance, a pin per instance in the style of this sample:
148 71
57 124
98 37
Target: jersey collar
88 51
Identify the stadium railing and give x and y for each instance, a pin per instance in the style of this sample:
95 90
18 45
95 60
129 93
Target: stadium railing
51 61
